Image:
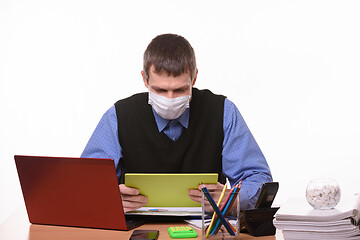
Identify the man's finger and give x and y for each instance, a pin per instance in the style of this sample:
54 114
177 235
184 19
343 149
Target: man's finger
136 198
128 190
212 186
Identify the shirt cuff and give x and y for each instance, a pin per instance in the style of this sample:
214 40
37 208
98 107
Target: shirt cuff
245 201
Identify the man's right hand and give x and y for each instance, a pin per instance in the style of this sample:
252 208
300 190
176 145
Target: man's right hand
131 199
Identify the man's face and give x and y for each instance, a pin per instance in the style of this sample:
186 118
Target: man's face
168 86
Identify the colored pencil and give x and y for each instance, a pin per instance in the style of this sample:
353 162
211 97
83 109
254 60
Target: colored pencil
225 210
214 214
217 210
222 207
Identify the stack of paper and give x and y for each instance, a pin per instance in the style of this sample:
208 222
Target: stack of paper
299 221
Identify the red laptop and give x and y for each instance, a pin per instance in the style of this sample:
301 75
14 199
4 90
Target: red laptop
81 192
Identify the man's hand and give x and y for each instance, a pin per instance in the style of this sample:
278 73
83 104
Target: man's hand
195 194
131 199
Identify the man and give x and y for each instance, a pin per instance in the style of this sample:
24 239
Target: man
176 128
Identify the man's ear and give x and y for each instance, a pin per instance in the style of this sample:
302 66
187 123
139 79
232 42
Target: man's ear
194 80
144 78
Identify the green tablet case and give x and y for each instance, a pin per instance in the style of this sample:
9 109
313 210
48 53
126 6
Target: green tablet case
168 190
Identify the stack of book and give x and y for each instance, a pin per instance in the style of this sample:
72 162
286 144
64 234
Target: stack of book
299 221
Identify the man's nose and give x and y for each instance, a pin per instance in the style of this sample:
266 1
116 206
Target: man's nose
170 94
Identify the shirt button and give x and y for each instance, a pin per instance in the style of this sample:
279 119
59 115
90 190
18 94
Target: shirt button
174 138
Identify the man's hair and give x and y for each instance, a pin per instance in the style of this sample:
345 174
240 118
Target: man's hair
170 53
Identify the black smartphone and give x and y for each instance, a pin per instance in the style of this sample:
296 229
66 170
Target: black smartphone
267 195
144 235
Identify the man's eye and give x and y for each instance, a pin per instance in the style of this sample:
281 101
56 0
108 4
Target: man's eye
180 90
160 90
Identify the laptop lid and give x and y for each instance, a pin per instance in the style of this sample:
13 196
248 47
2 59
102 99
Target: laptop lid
80 192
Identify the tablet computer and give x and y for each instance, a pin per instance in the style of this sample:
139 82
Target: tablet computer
169 190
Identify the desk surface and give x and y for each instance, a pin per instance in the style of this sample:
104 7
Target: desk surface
17 227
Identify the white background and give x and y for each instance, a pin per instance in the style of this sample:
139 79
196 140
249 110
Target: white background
291 67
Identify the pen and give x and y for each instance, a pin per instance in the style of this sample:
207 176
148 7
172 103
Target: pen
158 210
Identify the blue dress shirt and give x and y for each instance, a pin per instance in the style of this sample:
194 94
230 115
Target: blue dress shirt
241 155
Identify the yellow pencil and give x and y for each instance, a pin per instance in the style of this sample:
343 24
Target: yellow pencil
214 214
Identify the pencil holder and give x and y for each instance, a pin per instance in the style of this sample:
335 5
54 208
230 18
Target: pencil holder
226 225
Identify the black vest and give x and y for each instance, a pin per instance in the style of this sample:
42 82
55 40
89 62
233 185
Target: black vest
146 150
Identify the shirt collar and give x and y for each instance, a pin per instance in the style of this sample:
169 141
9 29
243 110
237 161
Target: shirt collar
162 122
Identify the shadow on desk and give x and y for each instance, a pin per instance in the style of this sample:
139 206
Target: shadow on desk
49 232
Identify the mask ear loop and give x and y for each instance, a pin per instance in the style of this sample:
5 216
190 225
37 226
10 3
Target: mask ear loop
190 94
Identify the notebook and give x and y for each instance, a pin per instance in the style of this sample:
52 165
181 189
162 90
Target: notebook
80 192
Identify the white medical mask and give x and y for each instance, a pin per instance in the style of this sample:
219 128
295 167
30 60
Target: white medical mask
169 108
